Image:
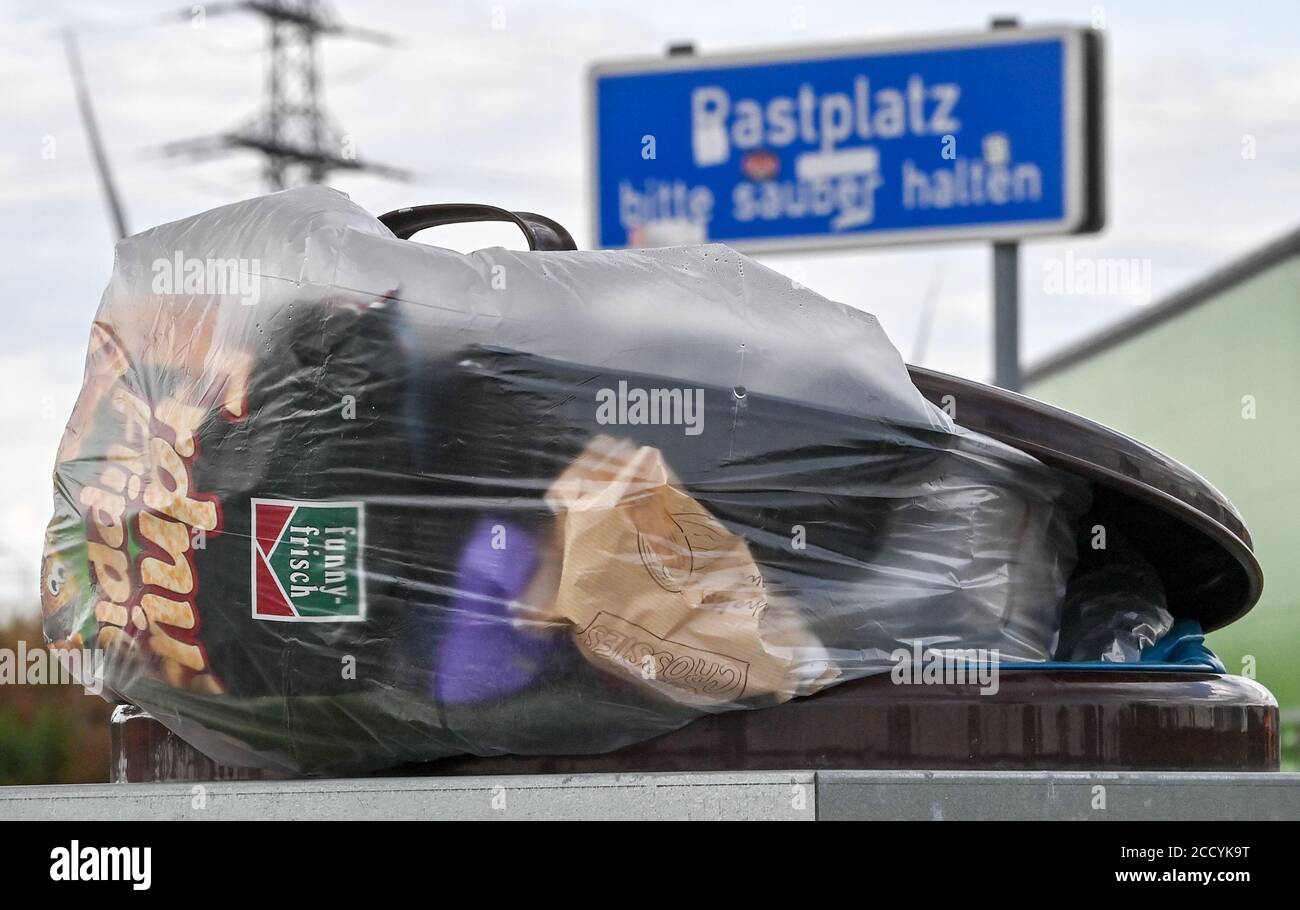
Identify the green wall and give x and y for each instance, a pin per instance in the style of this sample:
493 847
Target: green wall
1178 386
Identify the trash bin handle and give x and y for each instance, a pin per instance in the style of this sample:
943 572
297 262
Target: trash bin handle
542 232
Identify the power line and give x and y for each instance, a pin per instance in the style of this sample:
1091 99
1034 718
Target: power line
92 135
929 304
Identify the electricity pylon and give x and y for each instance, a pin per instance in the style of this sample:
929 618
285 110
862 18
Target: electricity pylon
298 139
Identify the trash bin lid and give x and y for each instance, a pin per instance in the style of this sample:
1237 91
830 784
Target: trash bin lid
1187 529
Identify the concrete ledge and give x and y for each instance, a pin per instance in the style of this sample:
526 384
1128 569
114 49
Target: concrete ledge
800 795
1057 795
764 795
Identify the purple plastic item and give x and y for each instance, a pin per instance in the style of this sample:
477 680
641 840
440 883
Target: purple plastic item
484 652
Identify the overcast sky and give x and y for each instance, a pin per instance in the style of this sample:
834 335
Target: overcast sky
485 113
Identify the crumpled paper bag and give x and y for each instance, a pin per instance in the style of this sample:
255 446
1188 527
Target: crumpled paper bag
657 588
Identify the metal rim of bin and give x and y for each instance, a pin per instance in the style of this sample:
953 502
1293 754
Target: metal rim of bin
1150 484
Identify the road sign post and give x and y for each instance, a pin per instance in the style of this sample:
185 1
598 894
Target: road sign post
1006 315
1006 294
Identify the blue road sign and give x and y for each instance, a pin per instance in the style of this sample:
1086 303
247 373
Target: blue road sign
992 136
